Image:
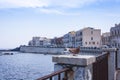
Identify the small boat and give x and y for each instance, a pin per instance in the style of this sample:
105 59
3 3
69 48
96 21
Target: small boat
7 53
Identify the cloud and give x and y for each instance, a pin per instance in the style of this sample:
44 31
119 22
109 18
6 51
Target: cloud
49 6
43 3
55 11
23 3
51 11
71 3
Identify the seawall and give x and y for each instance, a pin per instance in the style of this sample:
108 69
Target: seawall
56 50
37 49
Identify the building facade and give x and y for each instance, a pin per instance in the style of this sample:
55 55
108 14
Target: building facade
34 41
57 42
88 37
115 36
39 41
106 39
69 39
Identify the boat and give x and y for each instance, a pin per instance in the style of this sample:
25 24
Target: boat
7 53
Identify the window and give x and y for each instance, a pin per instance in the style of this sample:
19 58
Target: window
93 42
81 39
97 42
115 32
112 33
91 38
91 32
80 33
89 42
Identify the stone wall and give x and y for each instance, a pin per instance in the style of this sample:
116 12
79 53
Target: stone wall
32 49
37 49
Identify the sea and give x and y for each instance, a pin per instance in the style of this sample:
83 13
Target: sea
25 66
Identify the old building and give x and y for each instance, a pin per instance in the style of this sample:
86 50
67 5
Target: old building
69 39
106 39
88 37
57 42
115 36
39 41
34 42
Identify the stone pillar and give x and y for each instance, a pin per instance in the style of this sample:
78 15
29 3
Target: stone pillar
111 63
81 66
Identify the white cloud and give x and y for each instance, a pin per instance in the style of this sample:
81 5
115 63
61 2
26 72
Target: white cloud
71 3
23 3
43 3
48 6
55 11
51 11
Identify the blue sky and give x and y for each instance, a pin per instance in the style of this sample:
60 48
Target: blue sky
20 20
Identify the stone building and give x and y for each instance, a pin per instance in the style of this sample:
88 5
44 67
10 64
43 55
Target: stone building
115 36
88 37
106 39
57 42
69 39
39 41
34 41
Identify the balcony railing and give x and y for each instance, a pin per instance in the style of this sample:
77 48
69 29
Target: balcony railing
58 73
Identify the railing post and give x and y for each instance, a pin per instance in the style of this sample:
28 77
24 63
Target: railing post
50 78
111 63
59 76
65 76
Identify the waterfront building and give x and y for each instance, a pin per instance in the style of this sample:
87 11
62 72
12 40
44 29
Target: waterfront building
88 37
40 41
53 42
34 41
69 39
57 42
115 36
45 41
106 39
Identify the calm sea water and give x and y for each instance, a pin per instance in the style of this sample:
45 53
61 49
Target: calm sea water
25 66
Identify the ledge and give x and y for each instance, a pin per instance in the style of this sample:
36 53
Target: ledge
109 49
81 60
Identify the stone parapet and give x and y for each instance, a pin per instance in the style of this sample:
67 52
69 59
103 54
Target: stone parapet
85 66
81 60
109 49
81 65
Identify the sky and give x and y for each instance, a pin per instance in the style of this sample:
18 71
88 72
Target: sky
20 20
